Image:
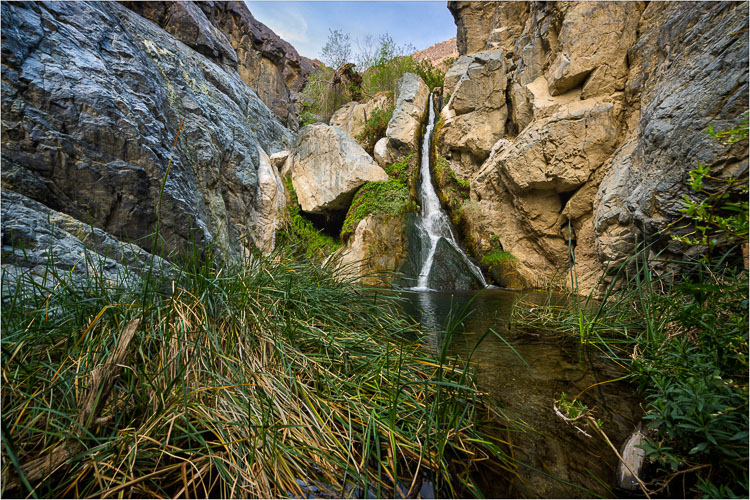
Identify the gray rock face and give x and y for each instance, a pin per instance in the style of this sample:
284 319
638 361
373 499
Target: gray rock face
33 236
93 98
228 34
449 270
327 168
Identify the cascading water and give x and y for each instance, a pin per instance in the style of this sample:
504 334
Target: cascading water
433 223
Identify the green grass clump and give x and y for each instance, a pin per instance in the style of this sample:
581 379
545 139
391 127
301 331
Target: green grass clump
387 198
270 379
300 235
375 127
497 256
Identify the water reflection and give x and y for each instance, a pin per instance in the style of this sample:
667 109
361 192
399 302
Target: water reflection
527 387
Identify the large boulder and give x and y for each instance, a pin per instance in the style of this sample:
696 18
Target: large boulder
476 112
327 167
450 271
594 41
110 119
271 204
376 251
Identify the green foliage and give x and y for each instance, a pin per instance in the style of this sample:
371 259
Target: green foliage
400 170
321 95
300 235
387 198
498 256
375 127
307 118
720 212
432 75
338 49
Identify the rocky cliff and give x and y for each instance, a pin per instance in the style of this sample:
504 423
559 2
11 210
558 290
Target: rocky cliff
107 117
576 124
227 33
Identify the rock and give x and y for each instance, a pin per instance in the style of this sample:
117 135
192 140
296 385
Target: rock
410 111
644 186
473 23
382 154
187 22
327 167
479 112
33 236
270 204
586 148
279 159
634 458
455 72
266 63
449 270
594 41
352 116
93 99
376 251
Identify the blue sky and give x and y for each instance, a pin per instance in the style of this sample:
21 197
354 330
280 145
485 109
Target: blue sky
305 24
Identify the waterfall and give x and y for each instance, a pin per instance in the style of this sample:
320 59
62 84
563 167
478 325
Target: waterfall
433 223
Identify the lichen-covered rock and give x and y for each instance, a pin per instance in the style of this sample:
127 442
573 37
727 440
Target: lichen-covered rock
93 99
227 31
327 167
352 116
33 236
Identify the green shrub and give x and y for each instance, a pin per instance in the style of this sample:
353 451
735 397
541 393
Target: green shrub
497 256
375 127
400 170
300 236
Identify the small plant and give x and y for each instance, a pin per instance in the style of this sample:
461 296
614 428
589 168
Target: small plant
375 127
388 198
498 256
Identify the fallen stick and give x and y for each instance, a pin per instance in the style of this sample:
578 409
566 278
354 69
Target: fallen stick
102 380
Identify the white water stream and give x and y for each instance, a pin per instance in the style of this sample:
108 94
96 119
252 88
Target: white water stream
433 222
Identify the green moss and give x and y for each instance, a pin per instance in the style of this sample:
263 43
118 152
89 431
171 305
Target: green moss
300 235
498 256
389 198
400 170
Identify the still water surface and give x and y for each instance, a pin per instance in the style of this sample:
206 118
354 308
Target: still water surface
584 466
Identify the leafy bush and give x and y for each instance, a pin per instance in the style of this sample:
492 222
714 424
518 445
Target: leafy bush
497 256
388 198
300 236
375 127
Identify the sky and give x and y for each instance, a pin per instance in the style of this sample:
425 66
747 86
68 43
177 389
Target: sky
305 24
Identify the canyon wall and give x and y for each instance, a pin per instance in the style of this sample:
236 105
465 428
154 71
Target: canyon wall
107 117
576 125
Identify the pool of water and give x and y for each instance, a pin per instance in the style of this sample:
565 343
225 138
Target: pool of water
558 461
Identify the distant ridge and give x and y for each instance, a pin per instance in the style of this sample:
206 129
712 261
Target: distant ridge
439 52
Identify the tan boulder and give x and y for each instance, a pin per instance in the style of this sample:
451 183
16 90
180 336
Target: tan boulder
594 42
327 167
477 112
352 116
376 250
